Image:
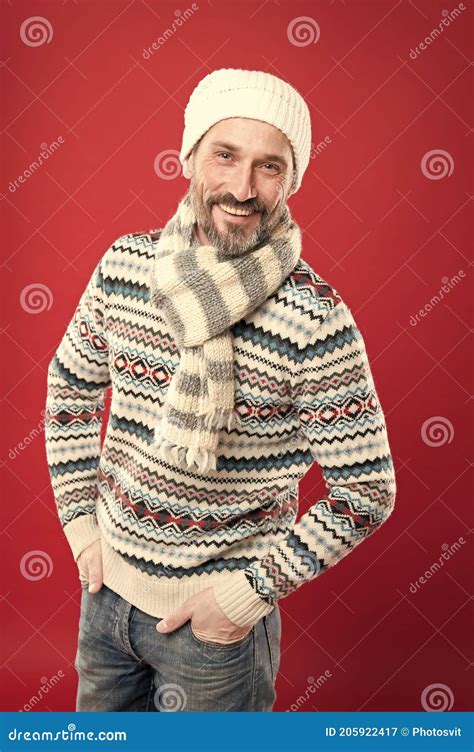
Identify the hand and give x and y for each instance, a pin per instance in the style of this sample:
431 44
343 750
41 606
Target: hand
90 566
208 620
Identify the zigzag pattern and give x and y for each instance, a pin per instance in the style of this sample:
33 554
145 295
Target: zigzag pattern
126 289
188 492
68 376
230 564
204 531
275 344
144 336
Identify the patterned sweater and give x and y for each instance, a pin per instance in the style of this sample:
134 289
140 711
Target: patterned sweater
303 392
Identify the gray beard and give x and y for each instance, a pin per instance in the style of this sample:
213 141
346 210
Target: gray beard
234 243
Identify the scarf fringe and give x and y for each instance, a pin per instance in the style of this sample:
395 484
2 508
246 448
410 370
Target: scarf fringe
186 457
217 417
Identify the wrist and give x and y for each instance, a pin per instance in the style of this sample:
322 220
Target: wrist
239 600
81 532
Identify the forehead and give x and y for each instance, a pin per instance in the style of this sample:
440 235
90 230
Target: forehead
249 135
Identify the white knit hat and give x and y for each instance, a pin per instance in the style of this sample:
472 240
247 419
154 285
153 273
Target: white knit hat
233 92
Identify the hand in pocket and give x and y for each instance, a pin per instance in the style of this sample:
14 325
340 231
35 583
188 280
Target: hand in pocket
89 563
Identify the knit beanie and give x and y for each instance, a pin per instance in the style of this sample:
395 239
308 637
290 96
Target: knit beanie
233 92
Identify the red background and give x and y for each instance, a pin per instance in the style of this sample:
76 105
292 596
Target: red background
378 229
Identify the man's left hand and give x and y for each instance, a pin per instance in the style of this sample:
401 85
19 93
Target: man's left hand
208 620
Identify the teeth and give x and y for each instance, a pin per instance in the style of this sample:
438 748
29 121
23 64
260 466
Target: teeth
238 212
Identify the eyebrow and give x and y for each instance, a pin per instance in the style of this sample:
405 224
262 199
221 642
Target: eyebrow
232 147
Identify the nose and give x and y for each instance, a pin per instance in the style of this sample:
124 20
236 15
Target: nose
242 184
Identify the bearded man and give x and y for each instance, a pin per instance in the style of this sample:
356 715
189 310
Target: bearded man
233 366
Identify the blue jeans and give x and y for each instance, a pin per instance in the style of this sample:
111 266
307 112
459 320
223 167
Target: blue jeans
124 664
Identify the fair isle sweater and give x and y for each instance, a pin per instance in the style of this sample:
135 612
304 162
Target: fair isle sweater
304 392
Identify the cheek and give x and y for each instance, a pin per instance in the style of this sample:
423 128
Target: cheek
283 191
211 175
272 191
274 197
211 186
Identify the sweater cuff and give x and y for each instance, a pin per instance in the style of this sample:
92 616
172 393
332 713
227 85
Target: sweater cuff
239 601
81 532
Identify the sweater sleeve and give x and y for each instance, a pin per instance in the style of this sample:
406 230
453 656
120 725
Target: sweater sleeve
345 432
78 375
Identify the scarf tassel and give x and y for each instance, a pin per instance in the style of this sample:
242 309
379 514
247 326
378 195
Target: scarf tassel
216 418
186 457
204 459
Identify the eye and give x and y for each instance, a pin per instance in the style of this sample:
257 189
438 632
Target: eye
270 164
221 154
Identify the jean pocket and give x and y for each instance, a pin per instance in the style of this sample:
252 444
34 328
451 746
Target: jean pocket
220 645
272 625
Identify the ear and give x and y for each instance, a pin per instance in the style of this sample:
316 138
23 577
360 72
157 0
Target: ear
292 189
188 167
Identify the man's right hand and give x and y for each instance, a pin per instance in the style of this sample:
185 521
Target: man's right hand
89 562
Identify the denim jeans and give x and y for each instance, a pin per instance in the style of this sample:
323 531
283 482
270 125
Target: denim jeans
124 664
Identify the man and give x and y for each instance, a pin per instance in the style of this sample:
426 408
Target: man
233 366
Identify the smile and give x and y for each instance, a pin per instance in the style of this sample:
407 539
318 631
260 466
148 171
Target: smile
238 212
235 215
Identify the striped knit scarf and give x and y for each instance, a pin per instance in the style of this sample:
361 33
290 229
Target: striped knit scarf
200 293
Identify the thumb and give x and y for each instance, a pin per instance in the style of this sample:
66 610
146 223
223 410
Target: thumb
95 577
173 621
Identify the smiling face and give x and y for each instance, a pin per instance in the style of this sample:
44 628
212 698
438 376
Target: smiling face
241 165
